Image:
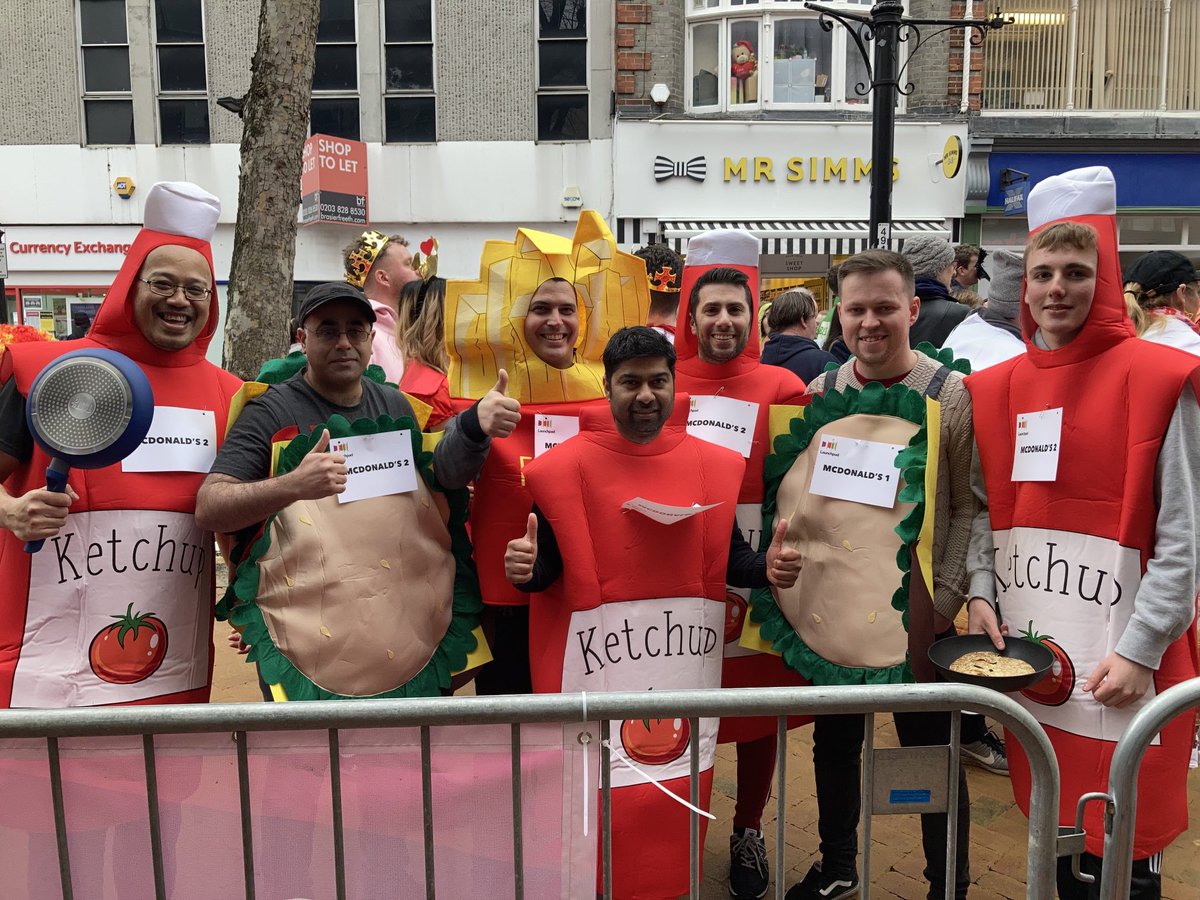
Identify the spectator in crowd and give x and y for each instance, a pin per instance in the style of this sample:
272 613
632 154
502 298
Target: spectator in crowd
792 326
380 265
991 334
967 297
824 336
968 266
664 269
1128 513
422 341
932 261
1162 292
582 494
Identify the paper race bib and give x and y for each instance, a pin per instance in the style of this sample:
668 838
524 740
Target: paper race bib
856 470
724 421
179 440
376 465
1038 437
550 431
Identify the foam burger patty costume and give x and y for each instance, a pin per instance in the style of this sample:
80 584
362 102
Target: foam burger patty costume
335 607
485 332
131 536
729 405
639 606
1072 553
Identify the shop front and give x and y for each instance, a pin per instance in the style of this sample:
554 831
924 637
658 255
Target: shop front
1158 198
802 188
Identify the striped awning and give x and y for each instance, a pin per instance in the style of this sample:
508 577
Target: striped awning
780 236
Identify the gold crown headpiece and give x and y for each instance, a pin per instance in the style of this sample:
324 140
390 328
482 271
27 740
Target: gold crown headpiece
662 279
425 260
363 256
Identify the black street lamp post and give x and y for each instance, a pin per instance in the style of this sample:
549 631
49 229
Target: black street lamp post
888 27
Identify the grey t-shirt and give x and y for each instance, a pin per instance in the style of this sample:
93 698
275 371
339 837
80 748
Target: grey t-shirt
246 453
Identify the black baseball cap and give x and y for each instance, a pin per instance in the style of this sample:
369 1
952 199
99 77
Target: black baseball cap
1161 272
329 291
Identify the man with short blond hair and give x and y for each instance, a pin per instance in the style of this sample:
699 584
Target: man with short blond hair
380 265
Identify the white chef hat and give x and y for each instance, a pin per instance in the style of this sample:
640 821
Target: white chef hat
1080 192
179 207
723 247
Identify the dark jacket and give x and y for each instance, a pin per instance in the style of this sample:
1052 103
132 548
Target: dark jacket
798 354
940 313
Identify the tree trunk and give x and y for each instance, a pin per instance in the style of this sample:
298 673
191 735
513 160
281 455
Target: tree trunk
275 124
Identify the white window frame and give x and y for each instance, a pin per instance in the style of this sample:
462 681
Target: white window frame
342 93
84 94
586 90
384 43
841 94
159 93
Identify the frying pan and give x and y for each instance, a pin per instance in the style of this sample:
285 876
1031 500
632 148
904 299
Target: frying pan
944 652
87 409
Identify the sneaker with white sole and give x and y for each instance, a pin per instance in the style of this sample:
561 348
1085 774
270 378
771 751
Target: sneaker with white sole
748 872
986 753
819 885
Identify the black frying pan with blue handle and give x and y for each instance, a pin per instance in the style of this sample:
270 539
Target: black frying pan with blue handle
87 409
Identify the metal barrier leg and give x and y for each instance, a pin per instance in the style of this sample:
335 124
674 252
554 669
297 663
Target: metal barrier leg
427 812
693 816
868 791
952 805
60 818
339 835
239 739
160 887
606 807
781 755
518 821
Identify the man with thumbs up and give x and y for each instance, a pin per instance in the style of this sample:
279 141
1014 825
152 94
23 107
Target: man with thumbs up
626 555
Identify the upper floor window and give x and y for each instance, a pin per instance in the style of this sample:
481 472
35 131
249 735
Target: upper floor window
409 104
562 70
1127 56
182 74
752 54
107 90
334 107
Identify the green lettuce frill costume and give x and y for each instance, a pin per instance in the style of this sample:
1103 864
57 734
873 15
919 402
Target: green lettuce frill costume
374 598
846 620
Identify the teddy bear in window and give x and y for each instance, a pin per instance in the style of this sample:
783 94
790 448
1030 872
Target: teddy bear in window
743 69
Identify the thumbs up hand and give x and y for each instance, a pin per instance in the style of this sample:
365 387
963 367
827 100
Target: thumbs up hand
499 413
783 563
522 554
320 474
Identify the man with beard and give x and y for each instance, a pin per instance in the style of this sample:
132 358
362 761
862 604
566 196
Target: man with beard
731 392
634 478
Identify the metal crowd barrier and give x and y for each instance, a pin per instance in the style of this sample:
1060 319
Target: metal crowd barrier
332 717
1121 799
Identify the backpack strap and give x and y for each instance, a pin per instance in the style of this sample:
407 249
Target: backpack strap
937 382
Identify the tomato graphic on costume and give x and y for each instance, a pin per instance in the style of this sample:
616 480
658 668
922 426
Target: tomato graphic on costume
1055 689
130 649
655 742
735 615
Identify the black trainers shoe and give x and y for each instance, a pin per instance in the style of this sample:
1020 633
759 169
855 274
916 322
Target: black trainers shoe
819 886
748 873
987 753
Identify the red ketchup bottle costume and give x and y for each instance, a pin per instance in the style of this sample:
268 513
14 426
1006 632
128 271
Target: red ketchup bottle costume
1072 551
131 536
639 606
729 405
485 333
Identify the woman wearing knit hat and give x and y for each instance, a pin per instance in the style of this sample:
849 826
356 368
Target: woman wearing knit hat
1162 293
932 259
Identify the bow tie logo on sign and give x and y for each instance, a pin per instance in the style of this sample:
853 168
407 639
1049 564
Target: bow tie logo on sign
695 168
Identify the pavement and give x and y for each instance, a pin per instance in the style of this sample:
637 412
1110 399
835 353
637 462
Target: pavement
998 829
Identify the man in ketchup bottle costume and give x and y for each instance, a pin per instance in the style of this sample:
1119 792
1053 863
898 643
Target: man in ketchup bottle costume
731 391
1092 553
628 550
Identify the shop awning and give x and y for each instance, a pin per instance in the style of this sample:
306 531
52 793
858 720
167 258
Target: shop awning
802 237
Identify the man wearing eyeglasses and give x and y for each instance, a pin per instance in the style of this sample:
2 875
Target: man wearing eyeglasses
335 334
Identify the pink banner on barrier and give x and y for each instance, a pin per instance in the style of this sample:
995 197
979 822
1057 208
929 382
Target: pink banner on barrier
104 794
